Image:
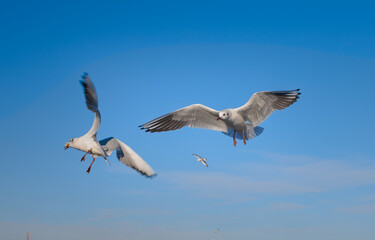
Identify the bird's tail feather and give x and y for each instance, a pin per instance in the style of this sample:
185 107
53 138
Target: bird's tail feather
249 133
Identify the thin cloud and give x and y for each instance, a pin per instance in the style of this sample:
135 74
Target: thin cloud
220 184
312 175
286 206
364 209
101 214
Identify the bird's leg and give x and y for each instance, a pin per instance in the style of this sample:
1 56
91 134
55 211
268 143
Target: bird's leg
93 160
83 158
243 135
234 138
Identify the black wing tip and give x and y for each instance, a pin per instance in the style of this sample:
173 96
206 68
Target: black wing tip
142 127
295 91
147 129
84 85
144 173
151 176
84 75
286 92
292 91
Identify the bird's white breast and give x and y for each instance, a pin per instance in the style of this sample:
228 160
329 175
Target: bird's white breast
236 121
90 145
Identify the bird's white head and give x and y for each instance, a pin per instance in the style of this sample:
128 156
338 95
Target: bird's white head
223 115
71 143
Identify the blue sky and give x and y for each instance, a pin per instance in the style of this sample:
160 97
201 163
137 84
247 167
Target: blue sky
310 175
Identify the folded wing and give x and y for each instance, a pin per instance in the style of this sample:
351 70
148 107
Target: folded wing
127 156
196 116
262 104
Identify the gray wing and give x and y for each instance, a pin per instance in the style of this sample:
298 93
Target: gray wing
91 102
127 156
196 116
204 163
262 104
90 93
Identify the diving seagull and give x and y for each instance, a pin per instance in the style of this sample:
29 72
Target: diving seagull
200 159
243 120
103 148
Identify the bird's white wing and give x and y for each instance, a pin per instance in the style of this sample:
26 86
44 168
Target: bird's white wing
91 102
196 116
195 155
127 156
262 104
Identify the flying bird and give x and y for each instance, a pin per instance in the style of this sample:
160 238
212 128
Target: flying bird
200 159
241 123
217 230
103 148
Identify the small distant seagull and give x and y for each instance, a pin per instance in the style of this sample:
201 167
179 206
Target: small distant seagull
200 159
243 120
217 230
88 143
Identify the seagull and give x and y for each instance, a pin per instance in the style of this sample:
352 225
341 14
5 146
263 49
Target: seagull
243 120
200 159
103 148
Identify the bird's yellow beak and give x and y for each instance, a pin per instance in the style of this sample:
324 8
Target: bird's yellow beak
66 146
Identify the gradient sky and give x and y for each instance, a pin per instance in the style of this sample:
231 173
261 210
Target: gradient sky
310 175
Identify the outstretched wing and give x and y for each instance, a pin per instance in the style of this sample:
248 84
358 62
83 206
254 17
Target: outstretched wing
195 155
204 163
262 104
91 102
127 156
90 93
196 116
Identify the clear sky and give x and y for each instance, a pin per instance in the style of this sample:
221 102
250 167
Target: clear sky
310 175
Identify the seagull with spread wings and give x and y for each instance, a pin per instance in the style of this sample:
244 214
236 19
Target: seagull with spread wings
243 120
103 148
202 160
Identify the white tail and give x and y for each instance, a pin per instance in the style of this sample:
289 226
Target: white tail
249 133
